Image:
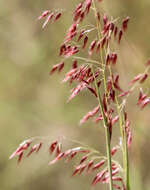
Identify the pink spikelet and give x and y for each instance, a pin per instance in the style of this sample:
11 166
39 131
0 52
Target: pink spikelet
48 20
98 165
22 147
33 149
61 155
135 79
44 14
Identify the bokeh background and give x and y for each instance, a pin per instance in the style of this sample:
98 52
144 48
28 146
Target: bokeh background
32 103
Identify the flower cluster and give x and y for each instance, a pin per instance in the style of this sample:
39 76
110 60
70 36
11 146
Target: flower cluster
95 73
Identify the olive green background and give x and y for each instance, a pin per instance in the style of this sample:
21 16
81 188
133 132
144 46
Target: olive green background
32 103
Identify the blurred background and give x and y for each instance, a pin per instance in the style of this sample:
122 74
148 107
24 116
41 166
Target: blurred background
32 103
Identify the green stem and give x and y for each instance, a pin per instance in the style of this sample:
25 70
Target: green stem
127 177
107 134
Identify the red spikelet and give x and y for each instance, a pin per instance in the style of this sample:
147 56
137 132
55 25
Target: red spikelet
114 150
135 79
92 90
114 58
20 156
141 97
116 83
58 66
143 78
89 165
58 149
80 35
98 177
115 119
77 169
76 90
58 15
83 159
89 115
105 19
124 93
82 168
125 23
120 36
33 149
98 16
92 46
98 46
85 42
103 41
62 49
98 165
145 102
87 5
104 104
61 66
69 74
53 147
115 31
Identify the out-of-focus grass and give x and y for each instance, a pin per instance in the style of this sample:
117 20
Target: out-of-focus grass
32 103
